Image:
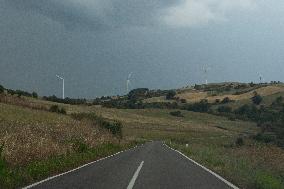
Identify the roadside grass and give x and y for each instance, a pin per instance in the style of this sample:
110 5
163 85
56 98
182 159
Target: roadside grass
235 163
29 135
16 176
35 144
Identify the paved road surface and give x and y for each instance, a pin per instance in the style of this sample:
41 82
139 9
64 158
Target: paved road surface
150 166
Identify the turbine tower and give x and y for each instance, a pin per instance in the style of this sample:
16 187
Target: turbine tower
62 85
128 82
260 78
205 70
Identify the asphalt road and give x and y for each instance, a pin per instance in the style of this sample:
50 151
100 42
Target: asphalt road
150 166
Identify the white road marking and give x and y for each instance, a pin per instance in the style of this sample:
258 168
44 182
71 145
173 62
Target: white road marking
50 178
206 169
132 182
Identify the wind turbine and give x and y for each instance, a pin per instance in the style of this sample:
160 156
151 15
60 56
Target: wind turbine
128 82
260 78
205 70
62 85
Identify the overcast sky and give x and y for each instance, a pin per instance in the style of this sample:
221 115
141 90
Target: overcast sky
95 44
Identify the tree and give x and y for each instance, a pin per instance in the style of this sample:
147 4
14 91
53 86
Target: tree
138 94
34 94
170 95
2 89
256 99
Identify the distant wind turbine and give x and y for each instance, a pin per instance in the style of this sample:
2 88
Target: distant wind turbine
260 78
62 85
128 82
205 70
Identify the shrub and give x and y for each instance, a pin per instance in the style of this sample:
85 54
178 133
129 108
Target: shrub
224 109
114 127
62 111
225 100
176 114
2 89
202 106
170 95
34 95
279 99
137 94
256 99
56 109
239 141
265 137
183 100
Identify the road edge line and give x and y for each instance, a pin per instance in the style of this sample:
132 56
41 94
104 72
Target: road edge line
75 169
205 168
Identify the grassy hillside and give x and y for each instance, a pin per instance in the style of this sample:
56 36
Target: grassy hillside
225 145
35 143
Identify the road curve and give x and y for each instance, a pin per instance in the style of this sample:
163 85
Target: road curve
150 166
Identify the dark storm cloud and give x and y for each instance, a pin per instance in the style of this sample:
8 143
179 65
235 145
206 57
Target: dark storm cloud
95 44
95 14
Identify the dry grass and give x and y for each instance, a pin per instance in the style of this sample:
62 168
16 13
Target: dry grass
33 135
23 102
196 96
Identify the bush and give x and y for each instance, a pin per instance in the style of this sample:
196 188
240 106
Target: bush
279 100
170 95
176 114
225 100
183 100
265 137
114 127
34 95
256 99
2 89
240 141
224 109
202 106
56 109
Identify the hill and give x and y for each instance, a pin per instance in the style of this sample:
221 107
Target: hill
230 144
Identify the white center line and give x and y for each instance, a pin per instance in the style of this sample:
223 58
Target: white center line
132 182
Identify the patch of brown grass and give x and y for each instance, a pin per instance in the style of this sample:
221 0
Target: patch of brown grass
23 102
196 96
33 135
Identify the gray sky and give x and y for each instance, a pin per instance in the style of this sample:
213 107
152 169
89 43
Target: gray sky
95 44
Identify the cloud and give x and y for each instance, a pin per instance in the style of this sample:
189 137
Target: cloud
94 14
191 13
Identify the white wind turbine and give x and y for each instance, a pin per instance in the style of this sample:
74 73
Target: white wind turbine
60 77
128 82
205 70
260 78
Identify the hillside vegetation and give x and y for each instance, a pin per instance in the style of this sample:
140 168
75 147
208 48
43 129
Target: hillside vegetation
37 141
239 138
